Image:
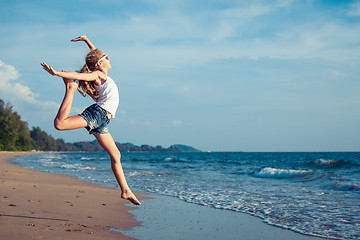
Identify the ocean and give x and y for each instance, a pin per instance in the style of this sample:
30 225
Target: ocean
317 194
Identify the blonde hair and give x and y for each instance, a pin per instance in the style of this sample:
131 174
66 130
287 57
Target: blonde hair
88 87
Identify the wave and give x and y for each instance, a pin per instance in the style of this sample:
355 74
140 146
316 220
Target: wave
328 180
329 163
149 173
48 162
269 172
346 187
77 167
134 159
174 160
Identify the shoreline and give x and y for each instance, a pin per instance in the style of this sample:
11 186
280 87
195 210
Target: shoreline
75 211
167 218
39 205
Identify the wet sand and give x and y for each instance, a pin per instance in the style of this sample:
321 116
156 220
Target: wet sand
168 218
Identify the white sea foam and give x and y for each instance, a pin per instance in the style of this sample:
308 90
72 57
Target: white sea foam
141 173
325 161
46 162
174 159
77 166
330 163
148 173
269 172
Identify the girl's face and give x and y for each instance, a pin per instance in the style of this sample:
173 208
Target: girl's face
104 62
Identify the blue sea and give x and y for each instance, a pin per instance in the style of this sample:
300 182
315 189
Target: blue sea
316 194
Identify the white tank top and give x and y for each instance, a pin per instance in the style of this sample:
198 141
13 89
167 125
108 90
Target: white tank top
108 96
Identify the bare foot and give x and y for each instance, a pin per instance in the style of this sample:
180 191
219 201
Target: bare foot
128 195
70 84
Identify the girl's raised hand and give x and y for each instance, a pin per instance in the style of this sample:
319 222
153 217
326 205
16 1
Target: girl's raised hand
86 40
81 38
48 68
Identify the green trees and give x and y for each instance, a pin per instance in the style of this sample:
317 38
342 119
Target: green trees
16 136
45 142
14 133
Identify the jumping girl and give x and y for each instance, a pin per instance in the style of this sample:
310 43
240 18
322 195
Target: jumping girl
99 86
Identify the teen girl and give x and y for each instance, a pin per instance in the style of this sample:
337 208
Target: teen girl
99 86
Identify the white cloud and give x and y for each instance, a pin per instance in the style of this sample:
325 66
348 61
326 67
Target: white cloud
17 93
249 11
7 72
121 116
233 20
177 123
354 9
224 34
173 37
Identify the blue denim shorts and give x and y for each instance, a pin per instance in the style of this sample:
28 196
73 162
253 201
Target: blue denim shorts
97 119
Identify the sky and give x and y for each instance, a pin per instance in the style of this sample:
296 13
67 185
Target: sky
218 75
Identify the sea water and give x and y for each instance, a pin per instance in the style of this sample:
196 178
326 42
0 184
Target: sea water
311 193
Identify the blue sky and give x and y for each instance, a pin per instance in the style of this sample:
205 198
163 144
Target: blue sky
217 75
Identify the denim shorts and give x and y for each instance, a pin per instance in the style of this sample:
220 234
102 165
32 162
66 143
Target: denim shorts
97 119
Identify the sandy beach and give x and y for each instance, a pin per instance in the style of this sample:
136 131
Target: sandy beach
38 205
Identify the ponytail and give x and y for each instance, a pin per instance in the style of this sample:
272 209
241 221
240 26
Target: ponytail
86 87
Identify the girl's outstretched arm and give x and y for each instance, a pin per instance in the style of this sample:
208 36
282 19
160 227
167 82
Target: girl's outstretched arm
96 76
86 40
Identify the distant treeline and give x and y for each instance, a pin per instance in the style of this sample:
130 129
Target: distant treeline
94 146
16 136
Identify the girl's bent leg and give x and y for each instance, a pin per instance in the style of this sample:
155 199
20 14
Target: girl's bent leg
62 120
107 142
